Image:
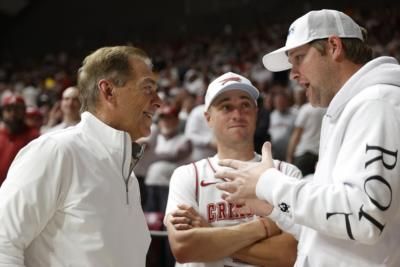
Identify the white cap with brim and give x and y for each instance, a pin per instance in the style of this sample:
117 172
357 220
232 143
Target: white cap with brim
227 82
312 26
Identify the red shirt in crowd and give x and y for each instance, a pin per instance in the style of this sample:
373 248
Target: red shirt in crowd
10 144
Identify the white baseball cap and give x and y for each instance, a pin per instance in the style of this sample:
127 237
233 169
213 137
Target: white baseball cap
312 26
226 82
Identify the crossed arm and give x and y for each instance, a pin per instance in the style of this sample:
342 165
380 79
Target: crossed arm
276 251
258 242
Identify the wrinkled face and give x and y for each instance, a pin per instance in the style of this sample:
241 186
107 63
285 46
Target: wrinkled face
137 101
232 116
315 73
70 104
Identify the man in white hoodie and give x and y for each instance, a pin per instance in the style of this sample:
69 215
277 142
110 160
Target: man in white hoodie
70 197
349 214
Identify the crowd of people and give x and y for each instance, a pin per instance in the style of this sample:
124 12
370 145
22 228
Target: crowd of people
41 98
184 70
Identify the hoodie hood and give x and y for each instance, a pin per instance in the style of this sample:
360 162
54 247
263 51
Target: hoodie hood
382 70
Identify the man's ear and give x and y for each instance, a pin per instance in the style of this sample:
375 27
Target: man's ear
335 48
208 117
106 89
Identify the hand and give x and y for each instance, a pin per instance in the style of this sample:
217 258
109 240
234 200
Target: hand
244 176
254 206
55 114
186 217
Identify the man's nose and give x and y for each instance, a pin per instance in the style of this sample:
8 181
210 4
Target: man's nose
294 74
157 102
237 112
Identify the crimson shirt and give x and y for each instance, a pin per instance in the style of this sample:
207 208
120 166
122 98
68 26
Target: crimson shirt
10 144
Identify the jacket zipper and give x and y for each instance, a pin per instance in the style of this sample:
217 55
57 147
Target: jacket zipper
136 155
126 180
127 191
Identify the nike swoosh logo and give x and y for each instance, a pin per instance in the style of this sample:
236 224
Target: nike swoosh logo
204 183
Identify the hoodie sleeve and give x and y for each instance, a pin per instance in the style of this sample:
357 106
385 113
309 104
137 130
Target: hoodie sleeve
357 197
29 197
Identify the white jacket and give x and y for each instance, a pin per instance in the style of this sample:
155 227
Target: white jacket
351 209
64 202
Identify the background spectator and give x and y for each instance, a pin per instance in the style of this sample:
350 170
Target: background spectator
14 132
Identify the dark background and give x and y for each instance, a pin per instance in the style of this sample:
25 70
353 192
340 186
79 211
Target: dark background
36 27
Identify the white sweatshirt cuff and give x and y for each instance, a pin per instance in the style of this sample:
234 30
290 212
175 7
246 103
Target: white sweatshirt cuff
266 184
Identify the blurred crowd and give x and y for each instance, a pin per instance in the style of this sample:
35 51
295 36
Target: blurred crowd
38 96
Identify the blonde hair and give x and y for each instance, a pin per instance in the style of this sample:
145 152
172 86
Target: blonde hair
112 63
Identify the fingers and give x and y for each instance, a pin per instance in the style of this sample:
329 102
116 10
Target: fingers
180 220
259 207
266 153
186 217
226 174
233 198
182 226
240 209
184 214
179 223
184 206
232 192
229 187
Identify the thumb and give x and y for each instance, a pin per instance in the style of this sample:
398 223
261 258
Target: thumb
266 154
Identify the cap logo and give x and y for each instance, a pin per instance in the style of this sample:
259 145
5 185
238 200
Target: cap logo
291 31
234 79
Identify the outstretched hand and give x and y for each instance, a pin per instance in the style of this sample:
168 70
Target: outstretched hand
243 177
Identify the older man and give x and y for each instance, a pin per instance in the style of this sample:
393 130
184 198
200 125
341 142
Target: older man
70 198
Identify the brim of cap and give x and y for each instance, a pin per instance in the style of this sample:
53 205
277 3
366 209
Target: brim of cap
278 60
251 90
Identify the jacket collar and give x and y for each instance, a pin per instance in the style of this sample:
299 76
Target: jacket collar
354 85
116 142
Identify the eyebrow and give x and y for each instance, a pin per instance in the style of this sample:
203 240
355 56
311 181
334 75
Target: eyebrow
289 54
149 80
300 48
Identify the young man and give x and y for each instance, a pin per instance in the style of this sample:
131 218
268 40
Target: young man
350 211
70 198
203 229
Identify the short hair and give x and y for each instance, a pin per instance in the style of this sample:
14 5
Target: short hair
356 51
112 63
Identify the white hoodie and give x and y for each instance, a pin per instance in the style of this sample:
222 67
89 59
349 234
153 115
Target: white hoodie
350 211
64 202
